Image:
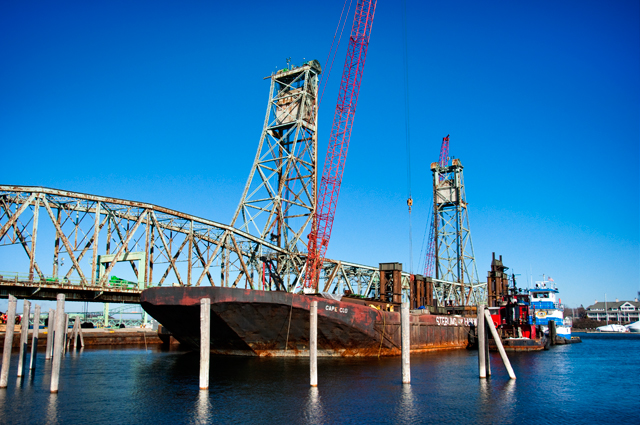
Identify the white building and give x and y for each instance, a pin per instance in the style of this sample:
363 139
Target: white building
619 311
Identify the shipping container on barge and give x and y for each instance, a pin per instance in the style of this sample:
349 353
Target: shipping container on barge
247 322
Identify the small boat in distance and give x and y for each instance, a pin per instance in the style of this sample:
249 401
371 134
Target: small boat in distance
633 327
613 328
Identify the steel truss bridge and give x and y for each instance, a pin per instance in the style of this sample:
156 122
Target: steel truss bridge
68 242
54 241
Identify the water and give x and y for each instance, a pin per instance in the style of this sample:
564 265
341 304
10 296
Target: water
592 382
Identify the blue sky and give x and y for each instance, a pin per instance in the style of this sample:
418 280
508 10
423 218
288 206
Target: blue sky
163 102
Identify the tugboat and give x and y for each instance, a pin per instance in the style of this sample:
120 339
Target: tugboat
515 322
549 312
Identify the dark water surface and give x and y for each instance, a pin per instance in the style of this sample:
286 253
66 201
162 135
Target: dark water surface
596 382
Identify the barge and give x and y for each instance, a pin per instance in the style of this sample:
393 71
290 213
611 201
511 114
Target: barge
246 322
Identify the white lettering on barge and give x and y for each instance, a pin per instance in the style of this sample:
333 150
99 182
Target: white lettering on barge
456 321
342 310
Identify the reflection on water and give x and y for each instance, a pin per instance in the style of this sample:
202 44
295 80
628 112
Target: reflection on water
594 381
407 412
497 395
203 408
484 389
313 410
508 398
3 396
52 409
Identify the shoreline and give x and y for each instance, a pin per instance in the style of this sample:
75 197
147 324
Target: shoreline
100 337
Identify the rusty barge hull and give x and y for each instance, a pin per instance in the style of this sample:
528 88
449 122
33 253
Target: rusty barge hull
248 322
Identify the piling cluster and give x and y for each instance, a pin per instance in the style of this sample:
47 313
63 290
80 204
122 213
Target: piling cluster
205 332
57 339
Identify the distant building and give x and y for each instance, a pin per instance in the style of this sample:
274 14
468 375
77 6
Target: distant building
619 311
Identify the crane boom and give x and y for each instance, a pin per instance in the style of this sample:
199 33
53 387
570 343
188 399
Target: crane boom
429 263
339 140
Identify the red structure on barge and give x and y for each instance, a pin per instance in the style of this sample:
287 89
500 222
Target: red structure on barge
511 312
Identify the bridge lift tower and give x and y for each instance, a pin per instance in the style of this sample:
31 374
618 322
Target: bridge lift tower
279 199
456 275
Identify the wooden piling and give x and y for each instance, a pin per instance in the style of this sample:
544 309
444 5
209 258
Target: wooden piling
405 330
313 343
34 340
205 341
58 343
482 360
51 326
8 341
24 337
552 332
496 338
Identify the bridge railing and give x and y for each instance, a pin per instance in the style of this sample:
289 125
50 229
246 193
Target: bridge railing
26 278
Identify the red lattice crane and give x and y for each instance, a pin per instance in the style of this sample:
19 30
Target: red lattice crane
339 140
430 260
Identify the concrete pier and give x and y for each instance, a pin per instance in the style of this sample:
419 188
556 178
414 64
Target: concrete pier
65 344
24 337
58 344
486 350
74 332
496 337
313 343
406 343
51 325
205 342
8 341
34 340
482 361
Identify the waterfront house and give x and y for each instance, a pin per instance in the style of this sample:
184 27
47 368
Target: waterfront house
619 311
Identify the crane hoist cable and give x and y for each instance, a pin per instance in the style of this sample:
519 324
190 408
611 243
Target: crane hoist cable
407 126
332 53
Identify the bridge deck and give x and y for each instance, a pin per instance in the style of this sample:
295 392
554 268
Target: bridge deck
36 289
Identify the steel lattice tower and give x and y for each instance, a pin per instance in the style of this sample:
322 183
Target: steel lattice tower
456 275
279 198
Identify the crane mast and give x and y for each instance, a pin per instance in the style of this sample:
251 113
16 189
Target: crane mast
339 141
444 161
